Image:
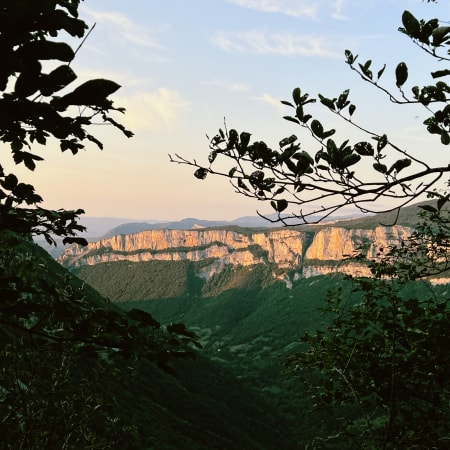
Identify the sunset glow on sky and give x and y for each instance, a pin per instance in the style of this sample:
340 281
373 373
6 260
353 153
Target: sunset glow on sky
185 65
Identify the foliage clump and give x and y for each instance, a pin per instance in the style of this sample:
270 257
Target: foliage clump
63 352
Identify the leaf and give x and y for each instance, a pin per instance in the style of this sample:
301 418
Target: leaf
331 147
47 50
244 138
342 101
57 79
305 156
427 30
75 240
351 109
411 24
29 160
440 73
280 205
317 128
445 138
399 165
286 141
401 74
212 156
380 167
349 160
364 149
26 84
381 142
440 35
201 173
242 185
92 92
328 133
327 102
380 72
365 69
350 59
291 119
297 96
9 182
256 178
306 117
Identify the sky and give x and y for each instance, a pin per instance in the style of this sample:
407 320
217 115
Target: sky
185 66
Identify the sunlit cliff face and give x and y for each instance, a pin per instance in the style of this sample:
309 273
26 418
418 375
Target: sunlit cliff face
307 253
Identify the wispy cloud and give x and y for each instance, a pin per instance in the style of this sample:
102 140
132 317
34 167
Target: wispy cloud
157 110
273 102
294 8
338 10
281 43
122 26
229 85
297 8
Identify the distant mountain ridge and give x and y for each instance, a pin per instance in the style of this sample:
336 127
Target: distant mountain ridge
98 227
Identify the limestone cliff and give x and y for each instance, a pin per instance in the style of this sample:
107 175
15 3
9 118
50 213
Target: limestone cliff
282 247
335 243
307 253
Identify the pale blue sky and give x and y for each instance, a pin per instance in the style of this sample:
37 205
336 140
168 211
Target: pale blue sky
186 64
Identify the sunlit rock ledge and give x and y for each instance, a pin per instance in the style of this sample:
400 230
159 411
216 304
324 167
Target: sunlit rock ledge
307 253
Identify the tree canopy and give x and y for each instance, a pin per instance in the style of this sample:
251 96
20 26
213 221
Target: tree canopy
64 351
38 103
303 186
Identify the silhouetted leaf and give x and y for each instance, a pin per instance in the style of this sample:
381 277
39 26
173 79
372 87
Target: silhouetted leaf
399 165
92 92
201 173
47 50
297 96
380 72
244 138
380 167
440 35
364 149
291 119
401 74
317 128
56 80
411 24
327 102
279 205
342 101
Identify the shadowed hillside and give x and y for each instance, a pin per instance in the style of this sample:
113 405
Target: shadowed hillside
191 404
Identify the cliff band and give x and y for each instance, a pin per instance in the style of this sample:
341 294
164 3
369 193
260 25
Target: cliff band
308 253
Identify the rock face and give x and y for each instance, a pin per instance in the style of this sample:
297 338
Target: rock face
307 253
335 244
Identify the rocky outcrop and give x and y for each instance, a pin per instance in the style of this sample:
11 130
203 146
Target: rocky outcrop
282 247
307 253
335 243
